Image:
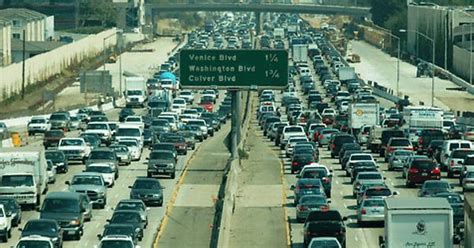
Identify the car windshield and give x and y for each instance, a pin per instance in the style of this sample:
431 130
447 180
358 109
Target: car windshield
16 181
99 169
102 155
162 155
361 157
129 206
126 218
134 132
461 153
369 176
116 244
133 119
40 226
86 180
118 230
54 133
38 121
96 126
159 123
378 192
402 153
128 143
61 205
54 155
119 148
72 142
315 173
58 117
146 184
134 92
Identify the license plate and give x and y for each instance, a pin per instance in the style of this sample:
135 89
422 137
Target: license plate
424 174
161 171
71 232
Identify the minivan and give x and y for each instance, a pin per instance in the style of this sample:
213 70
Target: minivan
68 209
448 146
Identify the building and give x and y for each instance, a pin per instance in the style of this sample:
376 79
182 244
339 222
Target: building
32 48
452 32
33 24
5 42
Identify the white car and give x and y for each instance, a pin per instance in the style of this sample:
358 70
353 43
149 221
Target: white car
5 224
51 171
100 128
289 131
177 109
133 147
74 148
38 124
212 96
324 242
292 140
329 111
105 170
180 102
35 241
187 95
116 241
192 112
135 120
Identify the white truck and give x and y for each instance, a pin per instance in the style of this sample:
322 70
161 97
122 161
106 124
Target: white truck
279 33
423 117
361 114
300 53
417 222
23 174
135 91
293 29
346 73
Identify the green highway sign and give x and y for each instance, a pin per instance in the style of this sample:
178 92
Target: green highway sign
233 68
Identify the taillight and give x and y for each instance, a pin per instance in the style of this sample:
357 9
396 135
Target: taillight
363 211
391 149
436 171
321 136
413 170
326 179
408 148
294 163
303 208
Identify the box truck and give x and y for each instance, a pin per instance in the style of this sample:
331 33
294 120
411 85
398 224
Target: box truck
135 91
361 114
417 222
346 74
423 117
300 53
23 174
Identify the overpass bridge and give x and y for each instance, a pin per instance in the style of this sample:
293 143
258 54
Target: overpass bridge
151 9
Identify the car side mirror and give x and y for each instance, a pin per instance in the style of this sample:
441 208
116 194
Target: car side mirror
396 193
99 236
129 186
163 187
292 187
344 218
67 183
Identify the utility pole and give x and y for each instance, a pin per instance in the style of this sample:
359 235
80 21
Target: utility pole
23 67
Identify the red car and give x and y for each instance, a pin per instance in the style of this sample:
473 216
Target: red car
207 106
421 170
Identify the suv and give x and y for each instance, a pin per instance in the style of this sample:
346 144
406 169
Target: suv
60 120
420 170
325 223
37 124
52 138
386 136
149 190
396 143
161 162
92 184
425 137
337 141
456 159
74 148
104 155
122 241
46 228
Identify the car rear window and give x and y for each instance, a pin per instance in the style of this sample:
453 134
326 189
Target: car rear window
461 153
378 192
361 157
314 173
369 176
424 164
373 203
400 142
293 129
344 139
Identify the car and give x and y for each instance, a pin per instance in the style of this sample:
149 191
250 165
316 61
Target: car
376 192
371 210
124 113
149 190
102 129
420 170
92 184
448 147
12 209
396 160
467 181
407 162
130 217
5 224
397 143
178 141
356 167
289 131
456 201
92 139
320 173
456 159
468 134
50 171
366 176
134 204
59 160
367 185
189 137
117 241
298 161
104 155
432 187
425 137
324 242
358 156
74 148
119 229
51 138
325 223
336 142
60 120
37 124
292 140
35 241
105 170
45 228
123 153
166 147
161 162
386 135
310 203
133 146
348 147
307 186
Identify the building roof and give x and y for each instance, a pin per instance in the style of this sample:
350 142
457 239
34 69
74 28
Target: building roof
35 46
25 14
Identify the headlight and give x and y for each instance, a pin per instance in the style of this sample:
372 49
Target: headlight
60 164
170 165
75 222
3 224
100 193
54 239
156 195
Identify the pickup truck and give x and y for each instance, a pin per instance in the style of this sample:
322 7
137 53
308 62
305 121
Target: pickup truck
289 131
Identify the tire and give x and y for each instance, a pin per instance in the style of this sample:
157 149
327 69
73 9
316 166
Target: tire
292 171
450 174
173 175
299 220
148 174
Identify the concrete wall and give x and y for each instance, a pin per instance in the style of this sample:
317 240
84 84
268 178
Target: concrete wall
461 64
43 66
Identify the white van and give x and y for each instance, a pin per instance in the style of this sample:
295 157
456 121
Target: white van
449 145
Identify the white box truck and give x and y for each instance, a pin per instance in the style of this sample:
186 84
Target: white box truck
346 73
361 114
418 222
135 91
23 174
300 53
279 33
423 117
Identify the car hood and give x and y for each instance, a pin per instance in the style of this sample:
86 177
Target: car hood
85 187
161 161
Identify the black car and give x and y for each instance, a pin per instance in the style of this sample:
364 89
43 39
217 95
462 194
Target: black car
337 141
149 190
431 188
129 217
124 113
348 146
46 228
59 160
300 160
12 209
425 137
325 223
323 175
386 135
121 229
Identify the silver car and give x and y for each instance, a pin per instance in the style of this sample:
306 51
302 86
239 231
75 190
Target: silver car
325 135
468 181
398 158
310 203
123 154
363 177
370 210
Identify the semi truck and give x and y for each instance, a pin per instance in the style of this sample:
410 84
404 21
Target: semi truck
23 174
361 114
417 222
135 91
300 53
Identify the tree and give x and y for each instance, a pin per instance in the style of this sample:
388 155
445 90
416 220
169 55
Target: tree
382 10
100 12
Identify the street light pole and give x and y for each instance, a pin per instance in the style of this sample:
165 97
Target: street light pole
433 45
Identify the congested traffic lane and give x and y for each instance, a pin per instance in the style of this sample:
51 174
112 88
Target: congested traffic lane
120 191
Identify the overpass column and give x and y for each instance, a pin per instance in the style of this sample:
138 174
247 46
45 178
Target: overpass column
258 22
150 22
